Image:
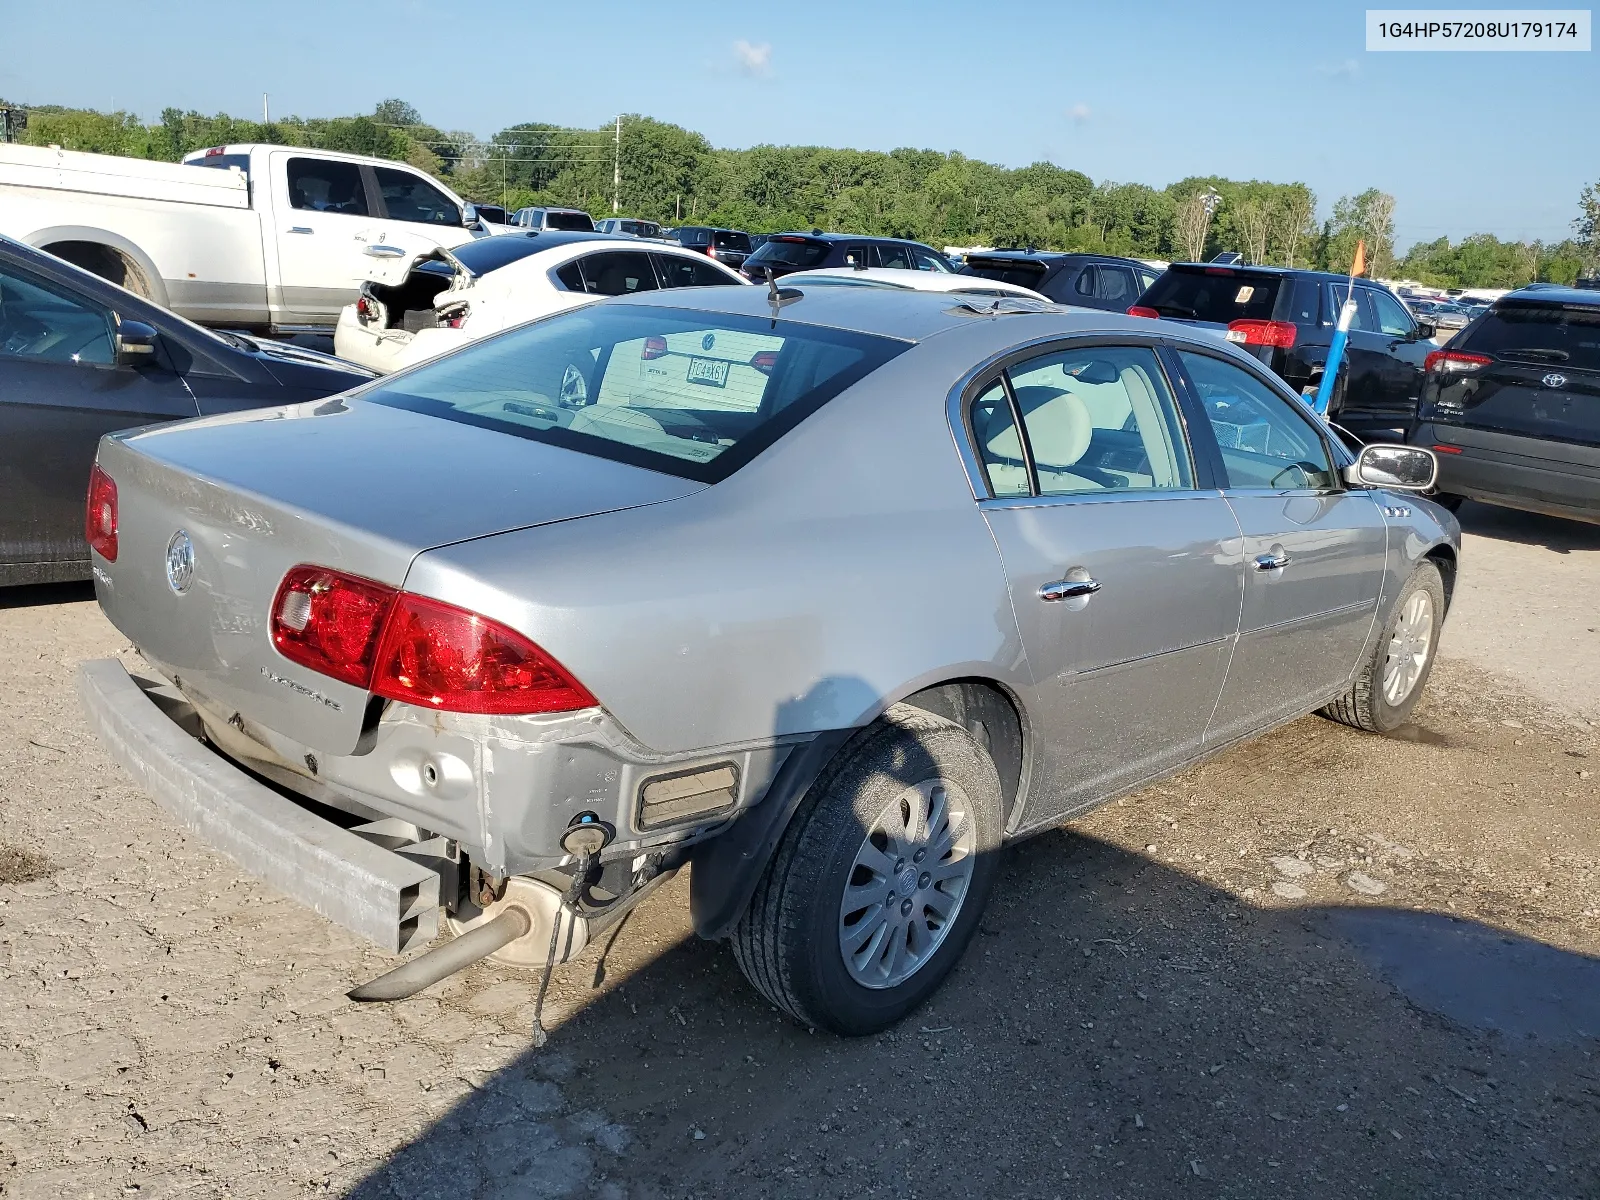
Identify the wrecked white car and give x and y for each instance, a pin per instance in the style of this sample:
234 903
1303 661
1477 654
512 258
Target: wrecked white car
423 302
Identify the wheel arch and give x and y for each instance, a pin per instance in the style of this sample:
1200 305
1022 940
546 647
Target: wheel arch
1445 558
728 866
138 267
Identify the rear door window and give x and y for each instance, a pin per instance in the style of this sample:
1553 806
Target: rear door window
893 254
408 197
680 270
617 273
1218 295
1364 320
1096 418
324 185
927 260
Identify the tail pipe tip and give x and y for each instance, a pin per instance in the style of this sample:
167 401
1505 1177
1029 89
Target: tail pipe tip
410 978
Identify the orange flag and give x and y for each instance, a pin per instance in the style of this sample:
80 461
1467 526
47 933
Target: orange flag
1359 267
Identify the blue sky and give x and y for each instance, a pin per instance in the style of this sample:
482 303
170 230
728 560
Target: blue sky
1129 91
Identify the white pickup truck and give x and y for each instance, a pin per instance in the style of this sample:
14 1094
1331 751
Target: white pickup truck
268 238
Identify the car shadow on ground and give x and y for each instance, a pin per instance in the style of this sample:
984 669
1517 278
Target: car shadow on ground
1530 529
1117 1027
40 595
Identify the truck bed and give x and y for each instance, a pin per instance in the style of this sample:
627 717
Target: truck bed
112 175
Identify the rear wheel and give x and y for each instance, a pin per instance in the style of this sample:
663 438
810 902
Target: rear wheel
1391 680
880 879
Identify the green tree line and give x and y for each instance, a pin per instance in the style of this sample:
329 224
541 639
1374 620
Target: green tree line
675 176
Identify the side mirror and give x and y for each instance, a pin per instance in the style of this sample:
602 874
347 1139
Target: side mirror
469 214
135 343
1386 466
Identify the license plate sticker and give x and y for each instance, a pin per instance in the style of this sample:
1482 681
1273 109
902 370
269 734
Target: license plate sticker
709 371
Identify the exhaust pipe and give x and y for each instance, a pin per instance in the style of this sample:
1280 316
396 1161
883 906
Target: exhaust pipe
410 978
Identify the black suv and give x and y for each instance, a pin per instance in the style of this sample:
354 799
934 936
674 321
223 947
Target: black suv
1285 317
1087 280
782 253
1512 405
730 247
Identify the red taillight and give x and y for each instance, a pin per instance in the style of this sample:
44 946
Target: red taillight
1139 310
366 309
764 361
711 251
1261 333
100 518
414 649
1453 362
654 347
440 656
1448 449
454 318
330 621
1220 271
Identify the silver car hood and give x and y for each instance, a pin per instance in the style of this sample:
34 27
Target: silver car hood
258 492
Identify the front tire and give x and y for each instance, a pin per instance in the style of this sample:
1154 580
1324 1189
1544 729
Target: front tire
1391 680
879 881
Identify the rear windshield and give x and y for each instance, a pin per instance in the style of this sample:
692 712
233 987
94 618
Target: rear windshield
789 252
223 161
491 253
1540 333
1218 294
693 394
1006 270
732 239
569 221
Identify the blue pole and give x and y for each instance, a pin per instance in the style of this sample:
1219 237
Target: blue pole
1330 372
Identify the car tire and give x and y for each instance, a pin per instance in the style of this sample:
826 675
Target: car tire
791 940
1391 679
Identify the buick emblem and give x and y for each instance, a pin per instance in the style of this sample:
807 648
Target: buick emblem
1554 379
180 562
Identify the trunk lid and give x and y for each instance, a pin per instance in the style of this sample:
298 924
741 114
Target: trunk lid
360 487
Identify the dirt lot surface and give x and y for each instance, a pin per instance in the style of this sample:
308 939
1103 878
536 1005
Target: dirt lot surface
1323 964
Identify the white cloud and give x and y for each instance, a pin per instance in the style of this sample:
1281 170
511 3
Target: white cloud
1348 69
753 58
1079 113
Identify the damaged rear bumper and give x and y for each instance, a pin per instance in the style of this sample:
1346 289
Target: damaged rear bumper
391 898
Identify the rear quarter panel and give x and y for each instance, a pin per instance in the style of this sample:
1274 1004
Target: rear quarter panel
842 569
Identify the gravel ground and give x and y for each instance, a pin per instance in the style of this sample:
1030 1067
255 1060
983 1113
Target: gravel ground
1323 964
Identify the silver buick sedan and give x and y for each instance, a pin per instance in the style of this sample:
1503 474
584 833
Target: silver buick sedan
825 593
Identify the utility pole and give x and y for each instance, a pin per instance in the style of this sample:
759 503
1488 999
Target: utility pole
265 119
616 170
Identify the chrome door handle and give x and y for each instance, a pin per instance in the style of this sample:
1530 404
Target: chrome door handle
382 250
1271 562
1067 589
300 229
